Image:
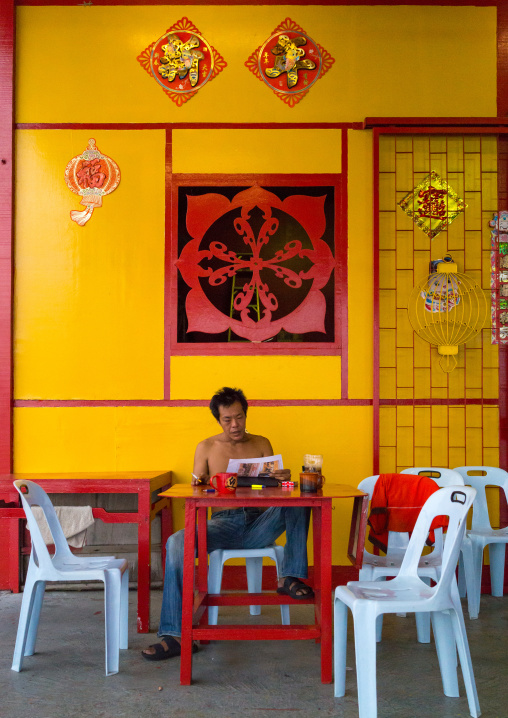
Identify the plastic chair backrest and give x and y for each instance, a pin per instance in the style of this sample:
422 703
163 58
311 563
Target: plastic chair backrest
452 502
396 540
368 484
492 476
443 477
33 495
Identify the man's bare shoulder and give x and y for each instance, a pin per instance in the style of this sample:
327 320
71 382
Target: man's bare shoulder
265 448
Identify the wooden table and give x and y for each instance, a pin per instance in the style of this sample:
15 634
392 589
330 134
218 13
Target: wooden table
142 483
195 605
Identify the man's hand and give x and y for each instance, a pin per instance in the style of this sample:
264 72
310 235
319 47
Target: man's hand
281 474
199 479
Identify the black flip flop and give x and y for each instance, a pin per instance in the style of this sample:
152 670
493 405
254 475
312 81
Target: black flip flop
161 654
292 586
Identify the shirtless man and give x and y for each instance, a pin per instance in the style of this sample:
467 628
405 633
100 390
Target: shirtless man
232 528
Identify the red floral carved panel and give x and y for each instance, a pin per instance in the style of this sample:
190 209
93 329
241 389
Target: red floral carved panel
257 264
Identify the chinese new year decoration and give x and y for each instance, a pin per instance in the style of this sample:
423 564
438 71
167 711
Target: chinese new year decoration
499 277
432 204
447 309
181 61
289 62
271 277
91 175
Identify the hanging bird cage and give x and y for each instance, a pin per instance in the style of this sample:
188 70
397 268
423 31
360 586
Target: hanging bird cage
447 309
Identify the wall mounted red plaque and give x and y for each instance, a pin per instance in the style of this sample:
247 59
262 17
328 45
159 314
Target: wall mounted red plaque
181 61
289 62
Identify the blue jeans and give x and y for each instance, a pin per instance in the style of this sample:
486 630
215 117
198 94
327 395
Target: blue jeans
236 529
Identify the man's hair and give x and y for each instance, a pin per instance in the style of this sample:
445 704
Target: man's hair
226 397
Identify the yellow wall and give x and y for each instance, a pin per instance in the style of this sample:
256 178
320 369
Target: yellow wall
89 301
389 61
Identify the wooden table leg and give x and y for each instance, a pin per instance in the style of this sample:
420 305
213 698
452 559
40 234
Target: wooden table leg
144 558
188 593
326 591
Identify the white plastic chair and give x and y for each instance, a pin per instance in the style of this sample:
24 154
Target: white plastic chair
482 534
429 566
65 566
408 593
254 566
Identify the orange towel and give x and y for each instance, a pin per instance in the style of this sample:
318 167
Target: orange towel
395 505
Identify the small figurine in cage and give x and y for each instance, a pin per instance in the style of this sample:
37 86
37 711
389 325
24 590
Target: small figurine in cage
503 317
503 333
503 290
503 247
503 304
503 261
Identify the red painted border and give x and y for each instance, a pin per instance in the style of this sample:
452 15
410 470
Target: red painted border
176 348
342 298
7 34
167 263
41 403
375 250
189 125
169 3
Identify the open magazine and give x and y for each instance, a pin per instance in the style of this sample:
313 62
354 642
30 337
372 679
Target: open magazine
262 466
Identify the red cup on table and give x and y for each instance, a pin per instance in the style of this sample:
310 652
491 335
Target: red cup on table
224 483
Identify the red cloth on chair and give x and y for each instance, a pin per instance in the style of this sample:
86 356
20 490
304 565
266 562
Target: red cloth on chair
395 505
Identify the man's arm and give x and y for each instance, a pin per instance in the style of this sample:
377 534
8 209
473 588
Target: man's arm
200 471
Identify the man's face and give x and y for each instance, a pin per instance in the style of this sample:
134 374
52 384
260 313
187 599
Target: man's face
232 421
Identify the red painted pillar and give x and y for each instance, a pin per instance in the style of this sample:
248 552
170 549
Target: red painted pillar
8 529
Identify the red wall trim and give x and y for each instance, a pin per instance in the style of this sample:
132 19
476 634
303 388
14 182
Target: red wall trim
459 122
167 264
169 3
188 125
41 403
375 250
7 34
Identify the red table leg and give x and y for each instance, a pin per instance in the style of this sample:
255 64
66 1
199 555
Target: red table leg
144 558
188 593
316 535
326 591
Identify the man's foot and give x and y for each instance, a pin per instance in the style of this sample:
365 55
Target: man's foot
295 588
169 647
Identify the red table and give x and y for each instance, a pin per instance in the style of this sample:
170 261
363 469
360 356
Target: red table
142 483
195 605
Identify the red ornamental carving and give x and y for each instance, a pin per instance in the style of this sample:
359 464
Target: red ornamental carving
196 260
91 175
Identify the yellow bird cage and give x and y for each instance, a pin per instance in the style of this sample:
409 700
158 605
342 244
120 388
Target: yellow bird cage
447 309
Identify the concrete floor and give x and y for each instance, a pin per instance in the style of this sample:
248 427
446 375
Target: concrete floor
252 679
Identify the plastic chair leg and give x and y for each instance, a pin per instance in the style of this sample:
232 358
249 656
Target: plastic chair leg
467 578
25 617
284 608
112 594
446 653
477 560
423 621
254 566
365 648
339 647
124 611
40 587
214 582
496 556
459 630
